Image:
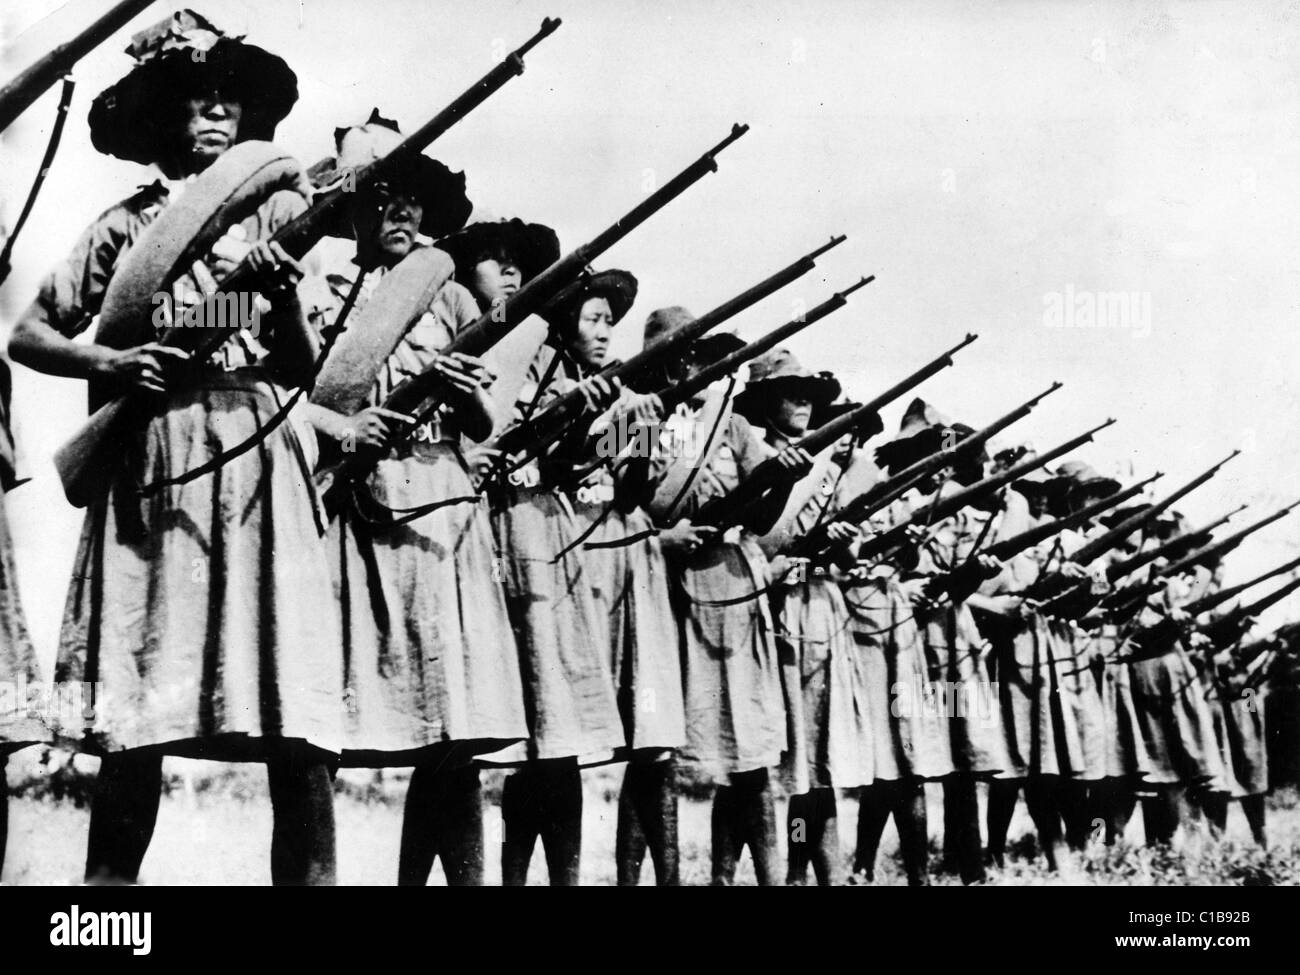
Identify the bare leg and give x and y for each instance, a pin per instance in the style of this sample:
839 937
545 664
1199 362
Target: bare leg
123 815
302 834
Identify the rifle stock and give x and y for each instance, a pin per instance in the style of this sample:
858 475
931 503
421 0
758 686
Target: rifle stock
77 464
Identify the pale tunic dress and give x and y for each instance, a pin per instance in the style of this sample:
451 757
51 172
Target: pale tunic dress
562 638
829 720
203 610
631 588
735 704
430 669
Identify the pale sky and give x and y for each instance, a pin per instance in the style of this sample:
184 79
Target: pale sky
982 159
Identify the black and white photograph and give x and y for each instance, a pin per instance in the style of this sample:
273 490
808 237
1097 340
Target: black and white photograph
762 443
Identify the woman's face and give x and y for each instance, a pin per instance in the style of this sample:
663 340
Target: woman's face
589 343
494 281
791 413
210 127
387 227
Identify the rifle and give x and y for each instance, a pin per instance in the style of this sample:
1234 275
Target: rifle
533 436
681 392
1207 603
425 389
1180 544
726 510
17 96
1152 641
1055 589
967 574
87 455
879 495
1121 602
941 507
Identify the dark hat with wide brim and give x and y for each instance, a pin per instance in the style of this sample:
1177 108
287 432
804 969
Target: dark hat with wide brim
439 190
921 433
708 348
778 373
616 286
868 428
137 118
531 247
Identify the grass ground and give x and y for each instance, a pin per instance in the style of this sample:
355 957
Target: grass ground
219 834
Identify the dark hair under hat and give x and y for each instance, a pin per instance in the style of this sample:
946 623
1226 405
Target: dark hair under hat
441 191
615 286
531 247
184 57
779 372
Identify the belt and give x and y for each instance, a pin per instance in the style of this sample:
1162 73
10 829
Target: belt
601 493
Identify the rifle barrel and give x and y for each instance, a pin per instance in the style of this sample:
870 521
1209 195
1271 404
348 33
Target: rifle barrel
19 94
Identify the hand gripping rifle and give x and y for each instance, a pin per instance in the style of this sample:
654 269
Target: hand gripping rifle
879 495
968 576
424 392
1123 602
727 510
530 438
85 461
674 395
943 507
1056 589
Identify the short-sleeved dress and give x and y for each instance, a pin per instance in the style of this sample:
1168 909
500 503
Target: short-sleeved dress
562 639
909 725
203 611
735 704
430 669
631 588
25 700
830 725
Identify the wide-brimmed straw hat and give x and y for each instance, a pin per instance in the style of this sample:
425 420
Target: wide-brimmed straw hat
709 347
184 56
440 191
531 247
779 373
920 434
616 286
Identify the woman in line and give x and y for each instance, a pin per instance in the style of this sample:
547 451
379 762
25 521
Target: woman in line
825 676
571 706
431 672
197 606
735 705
